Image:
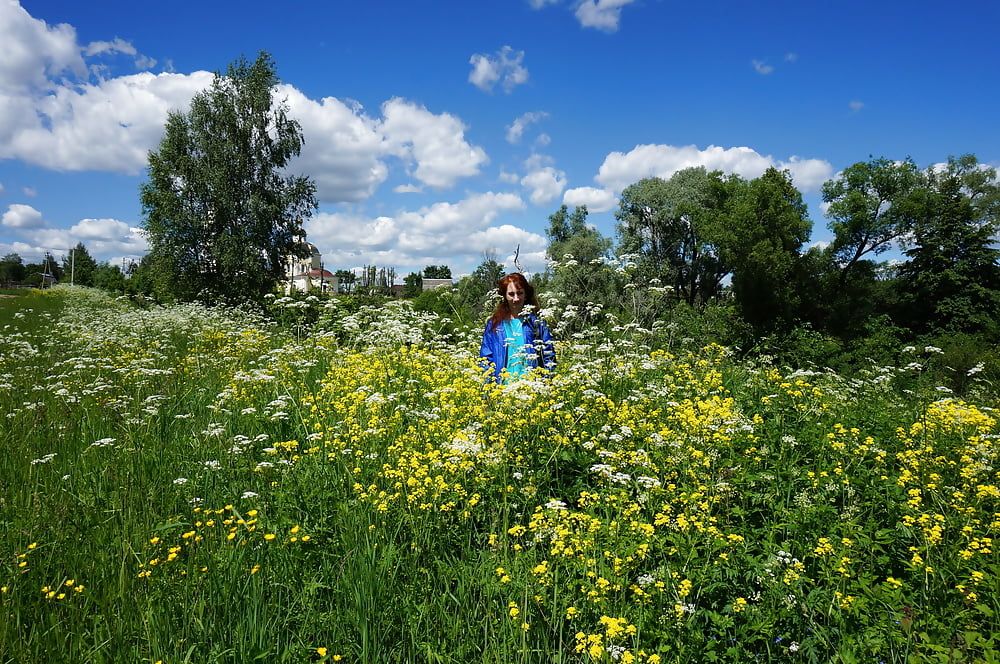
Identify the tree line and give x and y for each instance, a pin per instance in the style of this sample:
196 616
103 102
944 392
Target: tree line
222 216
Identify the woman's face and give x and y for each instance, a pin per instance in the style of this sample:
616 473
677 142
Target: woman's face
515 297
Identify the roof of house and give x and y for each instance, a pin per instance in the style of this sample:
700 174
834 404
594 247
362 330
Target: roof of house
316 274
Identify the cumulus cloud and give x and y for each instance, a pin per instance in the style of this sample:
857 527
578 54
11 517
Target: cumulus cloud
622 169
343 147
856 105
1 188
30 192
505 66
762 67
596 200
34 52
601 14
807 174
434 143
407 189
516 129
108 126
104 238
22 217
414 238
544 184
117 45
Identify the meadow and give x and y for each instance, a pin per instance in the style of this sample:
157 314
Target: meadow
189 484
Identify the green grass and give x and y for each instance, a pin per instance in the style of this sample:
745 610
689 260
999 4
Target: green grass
150 455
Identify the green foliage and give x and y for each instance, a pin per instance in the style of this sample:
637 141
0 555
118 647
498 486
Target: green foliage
108 277
413 284
12 269
951 280
673 227
437 272
869 207
79 266
220 213
222 491
762 244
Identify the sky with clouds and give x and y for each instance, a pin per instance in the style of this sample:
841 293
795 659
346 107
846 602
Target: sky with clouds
438 130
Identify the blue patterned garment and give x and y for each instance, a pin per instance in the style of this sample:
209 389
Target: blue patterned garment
513 330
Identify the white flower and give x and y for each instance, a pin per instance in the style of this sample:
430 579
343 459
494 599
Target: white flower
248 494
45 459
793 646
180 481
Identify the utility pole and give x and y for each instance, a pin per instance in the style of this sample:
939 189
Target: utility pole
72 264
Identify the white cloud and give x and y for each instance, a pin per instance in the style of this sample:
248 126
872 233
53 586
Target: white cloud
516 129
411 239
436 143
110 124
791 57
118 45
596 200
622 169
856 105
22 217
807 174
544 184
33 51
505 239
343 147
538 4
30 192
601 14
762 67
107 126
144 62
1 188
543 140
100 229
505 66
104 239
509 178
407 189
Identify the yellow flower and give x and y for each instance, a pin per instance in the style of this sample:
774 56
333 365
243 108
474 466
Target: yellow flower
321 651
739 605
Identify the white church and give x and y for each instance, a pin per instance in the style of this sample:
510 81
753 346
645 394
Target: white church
308 274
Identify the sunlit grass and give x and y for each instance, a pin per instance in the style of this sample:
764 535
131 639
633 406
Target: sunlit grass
184 484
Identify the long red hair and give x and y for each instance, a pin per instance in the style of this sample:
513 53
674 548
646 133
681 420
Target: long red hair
502 312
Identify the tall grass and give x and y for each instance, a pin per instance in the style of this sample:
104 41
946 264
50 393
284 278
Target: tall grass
187 484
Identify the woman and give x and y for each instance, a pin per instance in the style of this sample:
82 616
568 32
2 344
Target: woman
515 338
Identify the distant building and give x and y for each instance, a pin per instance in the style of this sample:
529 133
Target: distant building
431 284
306 274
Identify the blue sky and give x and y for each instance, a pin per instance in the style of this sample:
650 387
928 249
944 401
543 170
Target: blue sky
440 130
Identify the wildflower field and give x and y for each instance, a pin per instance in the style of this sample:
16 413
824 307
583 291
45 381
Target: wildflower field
183 484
